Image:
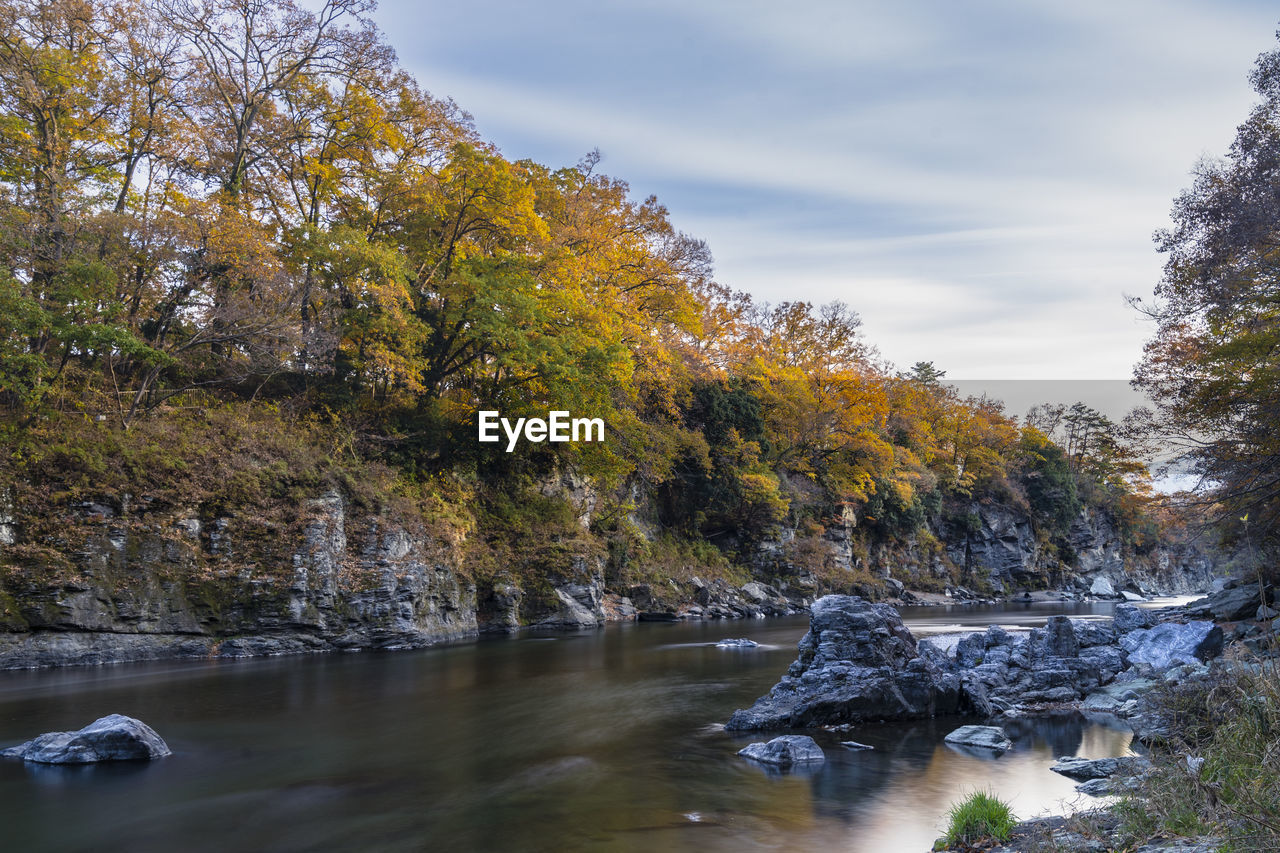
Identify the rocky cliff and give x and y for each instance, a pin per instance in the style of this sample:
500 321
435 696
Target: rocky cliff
1003 550
118 579
122 583
994 548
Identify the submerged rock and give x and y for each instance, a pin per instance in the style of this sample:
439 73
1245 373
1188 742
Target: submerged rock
858 662
987 737
785 751
111 738
739 643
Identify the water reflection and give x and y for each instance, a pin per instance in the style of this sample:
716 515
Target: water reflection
596 741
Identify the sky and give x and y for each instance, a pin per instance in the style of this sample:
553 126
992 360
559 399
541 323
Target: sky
980 181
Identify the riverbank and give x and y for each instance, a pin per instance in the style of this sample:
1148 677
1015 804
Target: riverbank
1204 706
78 624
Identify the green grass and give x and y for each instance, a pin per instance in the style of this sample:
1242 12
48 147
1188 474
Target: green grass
979 816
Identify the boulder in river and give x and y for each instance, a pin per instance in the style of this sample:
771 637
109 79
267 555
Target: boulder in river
738 643
987 737
111 738
785 751
857 663
1102 588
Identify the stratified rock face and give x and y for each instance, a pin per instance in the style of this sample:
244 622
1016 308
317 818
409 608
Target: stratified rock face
1000 542
111 738
161 587
858 662
785 751
1170 643
575 605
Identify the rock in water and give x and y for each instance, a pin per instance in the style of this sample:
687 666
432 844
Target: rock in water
111 738
1084 769
739 643
988 737
1102 588
858 662
785 751
1170 643
854 745
1096 788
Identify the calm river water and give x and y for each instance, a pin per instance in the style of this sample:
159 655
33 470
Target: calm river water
599 741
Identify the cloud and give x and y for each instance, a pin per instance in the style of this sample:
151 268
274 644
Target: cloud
981 181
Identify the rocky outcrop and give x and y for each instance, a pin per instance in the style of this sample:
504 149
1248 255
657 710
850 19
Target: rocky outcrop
715 599
999 543
858 662
997 547
576 599
1171 643
1236 600
142 585
111 738
1060 662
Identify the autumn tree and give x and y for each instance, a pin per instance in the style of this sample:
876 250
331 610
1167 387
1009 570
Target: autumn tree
1211 365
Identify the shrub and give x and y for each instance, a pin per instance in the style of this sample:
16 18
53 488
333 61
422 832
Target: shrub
979 816
1217 775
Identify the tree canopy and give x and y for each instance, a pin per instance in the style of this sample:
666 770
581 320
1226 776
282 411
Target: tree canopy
232 200
1213 363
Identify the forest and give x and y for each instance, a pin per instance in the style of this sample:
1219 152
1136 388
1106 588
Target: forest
244 254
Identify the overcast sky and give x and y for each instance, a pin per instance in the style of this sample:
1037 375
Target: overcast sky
979 180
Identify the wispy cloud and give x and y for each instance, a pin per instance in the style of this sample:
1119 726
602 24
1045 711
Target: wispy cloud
980 180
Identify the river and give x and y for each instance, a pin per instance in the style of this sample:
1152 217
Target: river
599 741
